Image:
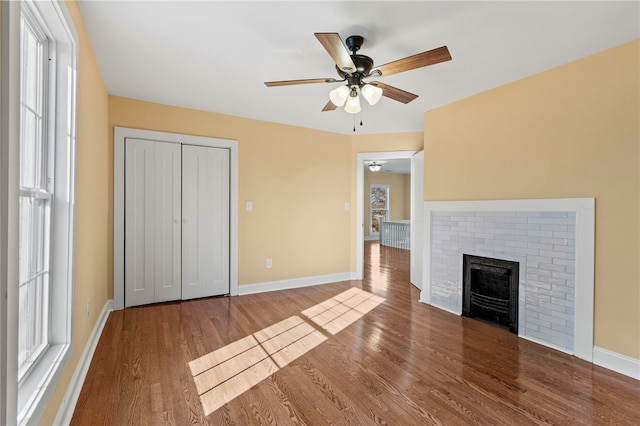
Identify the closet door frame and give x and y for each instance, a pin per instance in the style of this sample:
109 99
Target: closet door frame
119 139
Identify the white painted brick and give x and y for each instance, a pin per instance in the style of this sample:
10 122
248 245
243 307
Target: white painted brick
516 244
528 239
564 221
483 235
561 282
554 337
515 219
538 322
540 233
563 234
556 214
547 247
539 259
560 274
558 254
539 272
552 267
540 220
565 262
556 241
563 248
529 214
551 319
527 251
562 328
555 228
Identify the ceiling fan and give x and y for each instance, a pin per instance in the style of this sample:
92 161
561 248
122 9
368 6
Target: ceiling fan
353 68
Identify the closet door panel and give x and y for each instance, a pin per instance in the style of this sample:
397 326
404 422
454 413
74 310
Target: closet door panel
205 217
139 222
168 215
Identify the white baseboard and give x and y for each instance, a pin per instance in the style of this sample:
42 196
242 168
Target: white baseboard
295 283
65 411
617 362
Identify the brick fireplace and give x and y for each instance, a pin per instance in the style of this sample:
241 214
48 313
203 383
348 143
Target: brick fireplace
552 242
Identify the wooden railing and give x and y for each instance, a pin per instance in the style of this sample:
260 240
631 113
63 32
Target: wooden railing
395 233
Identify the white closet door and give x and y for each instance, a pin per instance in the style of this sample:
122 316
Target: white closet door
152 222
205 217
168 230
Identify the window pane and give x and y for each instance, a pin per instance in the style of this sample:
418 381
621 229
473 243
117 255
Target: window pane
24 240
32 328
31 68
35 205
29 150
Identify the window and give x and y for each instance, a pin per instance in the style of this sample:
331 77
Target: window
44 68
35 198
379 206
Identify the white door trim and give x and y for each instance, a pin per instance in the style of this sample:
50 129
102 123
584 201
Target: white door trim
361 158
417 218
120 134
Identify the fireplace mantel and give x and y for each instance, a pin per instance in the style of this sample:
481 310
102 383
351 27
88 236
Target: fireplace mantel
583 249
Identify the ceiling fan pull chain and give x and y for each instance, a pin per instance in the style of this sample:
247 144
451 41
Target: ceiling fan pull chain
361 113
354 122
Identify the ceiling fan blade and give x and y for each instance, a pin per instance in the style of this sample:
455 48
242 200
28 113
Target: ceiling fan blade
330 106
395 93
435 56
334 46
292 82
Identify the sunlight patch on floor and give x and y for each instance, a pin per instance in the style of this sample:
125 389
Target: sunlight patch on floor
339 312
228 372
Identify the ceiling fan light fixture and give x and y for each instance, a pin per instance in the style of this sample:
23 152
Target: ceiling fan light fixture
339 95
375 167
353 104
371 93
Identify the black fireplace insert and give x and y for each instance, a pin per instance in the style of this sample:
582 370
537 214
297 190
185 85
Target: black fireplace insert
490 291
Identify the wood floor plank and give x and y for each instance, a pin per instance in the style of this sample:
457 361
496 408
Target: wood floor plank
354 352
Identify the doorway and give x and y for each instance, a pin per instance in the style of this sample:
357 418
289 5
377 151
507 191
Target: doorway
416 201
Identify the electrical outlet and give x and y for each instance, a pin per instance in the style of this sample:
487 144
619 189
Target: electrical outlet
269 263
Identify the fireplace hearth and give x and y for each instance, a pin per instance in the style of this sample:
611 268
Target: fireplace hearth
490 291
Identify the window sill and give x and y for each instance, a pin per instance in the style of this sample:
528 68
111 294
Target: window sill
36 388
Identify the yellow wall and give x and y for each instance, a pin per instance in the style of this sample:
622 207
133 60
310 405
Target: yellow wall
397 194
298 180
93 260
407 196
569 132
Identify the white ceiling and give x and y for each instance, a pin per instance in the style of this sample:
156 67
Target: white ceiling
397 165
215 56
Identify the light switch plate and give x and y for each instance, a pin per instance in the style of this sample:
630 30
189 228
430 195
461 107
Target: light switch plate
248 206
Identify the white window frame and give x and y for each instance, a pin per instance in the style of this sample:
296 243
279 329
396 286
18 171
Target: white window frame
26 402
40 192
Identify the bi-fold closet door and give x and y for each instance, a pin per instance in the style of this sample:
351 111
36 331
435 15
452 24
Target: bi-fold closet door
176 221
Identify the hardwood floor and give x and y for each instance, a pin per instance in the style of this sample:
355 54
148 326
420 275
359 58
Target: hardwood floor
398 362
